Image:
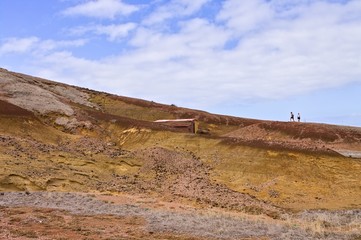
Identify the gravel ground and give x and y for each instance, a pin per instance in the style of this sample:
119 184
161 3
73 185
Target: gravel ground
197 223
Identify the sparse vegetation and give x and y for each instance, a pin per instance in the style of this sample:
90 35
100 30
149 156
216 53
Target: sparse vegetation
22 233
240 178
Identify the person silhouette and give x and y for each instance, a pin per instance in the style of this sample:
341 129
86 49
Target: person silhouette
298 117
292 118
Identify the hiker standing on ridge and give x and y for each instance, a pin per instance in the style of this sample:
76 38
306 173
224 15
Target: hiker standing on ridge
298 117
292 118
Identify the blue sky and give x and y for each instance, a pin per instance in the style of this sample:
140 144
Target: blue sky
250 58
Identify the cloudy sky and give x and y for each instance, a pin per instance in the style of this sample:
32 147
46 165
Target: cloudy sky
248 58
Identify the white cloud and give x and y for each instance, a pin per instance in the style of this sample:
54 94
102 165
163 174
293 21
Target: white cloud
246 15
191 6
113 31
116 31
50 45
101 9
18 45
251 50
194 37
36 45
174 9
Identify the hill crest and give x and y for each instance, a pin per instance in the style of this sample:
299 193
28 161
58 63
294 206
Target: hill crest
65 141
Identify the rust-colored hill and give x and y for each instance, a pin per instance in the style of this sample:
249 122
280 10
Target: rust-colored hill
66 139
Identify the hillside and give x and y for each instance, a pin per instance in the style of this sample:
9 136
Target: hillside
76 143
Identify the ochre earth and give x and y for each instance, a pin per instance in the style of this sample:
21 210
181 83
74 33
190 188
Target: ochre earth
96 143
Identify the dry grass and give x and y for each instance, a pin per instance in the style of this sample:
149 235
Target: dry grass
324 222
264 164
86 216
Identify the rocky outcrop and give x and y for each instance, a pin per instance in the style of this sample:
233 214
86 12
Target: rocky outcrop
40 96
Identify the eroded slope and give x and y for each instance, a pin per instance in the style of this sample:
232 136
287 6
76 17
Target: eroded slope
55 137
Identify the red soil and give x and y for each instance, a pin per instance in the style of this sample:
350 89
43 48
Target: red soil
13 110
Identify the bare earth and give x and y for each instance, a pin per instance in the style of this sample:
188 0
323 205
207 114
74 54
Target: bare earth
52 215
80 164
